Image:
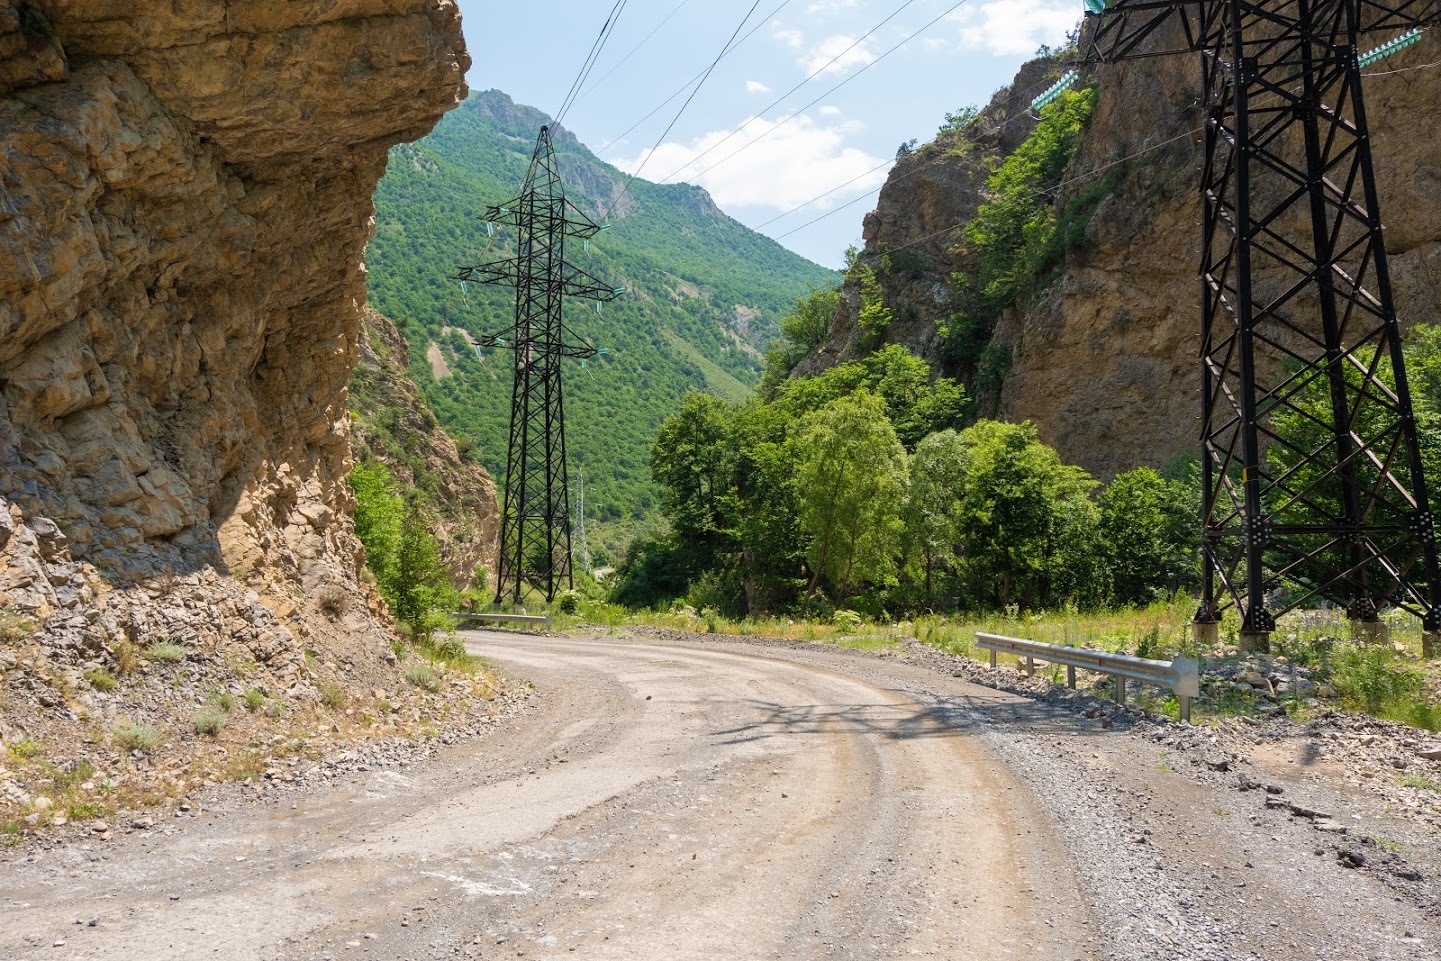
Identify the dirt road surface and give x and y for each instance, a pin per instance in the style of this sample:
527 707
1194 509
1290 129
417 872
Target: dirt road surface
728 801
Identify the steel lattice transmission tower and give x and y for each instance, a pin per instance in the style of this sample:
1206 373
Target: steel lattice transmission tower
535 525
1312 479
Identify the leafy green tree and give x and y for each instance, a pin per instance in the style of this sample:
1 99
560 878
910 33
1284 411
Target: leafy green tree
938 471
808 323
1019 508
400 550
379 511
690 460
1148 530
875 317
851 479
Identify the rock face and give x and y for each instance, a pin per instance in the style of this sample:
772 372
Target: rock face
1105 360
393 424
184 206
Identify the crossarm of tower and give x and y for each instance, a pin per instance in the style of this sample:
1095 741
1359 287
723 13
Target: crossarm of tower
1133 29
513 212
1388 16
575 282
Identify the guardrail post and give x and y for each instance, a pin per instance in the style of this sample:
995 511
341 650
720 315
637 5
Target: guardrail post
1185 710
993 660
1120 688
1071 676
1030 666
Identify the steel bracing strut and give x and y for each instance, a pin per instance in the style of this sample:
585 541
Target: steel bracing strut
535 527
1311 472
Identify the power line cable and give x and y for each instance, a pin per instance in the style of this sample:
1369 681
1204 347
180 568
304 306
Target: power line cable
832 90
815 73
665 133
595 48
620 63
686 86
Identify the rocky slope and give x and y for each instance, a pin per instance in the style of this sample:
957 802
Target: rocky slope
1104 360
393 424
184 203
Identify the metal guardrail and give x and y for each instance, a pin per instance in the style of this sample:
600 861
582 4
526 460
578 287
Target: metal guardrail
1183 675
542 620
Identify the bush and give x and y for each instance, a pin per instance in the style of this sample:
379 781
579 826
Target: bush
224 700
254 700
332 600
127 658
166 652
101 679
132 736
333 695
422 677
568 602
209 721
14 626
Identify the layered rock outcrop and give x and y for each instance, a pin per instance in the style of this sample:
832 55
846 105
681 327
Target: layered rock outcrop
1105 359
185 198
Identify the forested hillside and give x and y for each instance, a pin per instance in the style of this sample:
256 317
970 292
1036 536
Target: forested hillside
704 295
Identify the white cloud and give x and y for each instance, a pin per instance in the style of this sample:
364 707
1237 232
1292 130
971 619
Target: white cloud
791 38
830 110
843 50
824 7
1008 27
755 86
788 167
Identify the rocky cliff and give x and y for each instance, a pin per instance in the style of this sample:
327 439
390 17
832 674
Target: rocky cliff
1104 359
393 424
185 199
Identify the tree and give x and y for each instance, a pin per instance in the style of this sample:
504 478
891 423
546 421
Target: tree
1148 532
690 460
378 513
416 583
875 317
938 470
852 482
1020 508
808 323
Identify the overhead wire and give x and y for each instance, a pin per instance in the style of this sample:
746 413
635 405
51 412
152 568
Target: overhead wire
595 48
832 90
686 86
989 131
671 126
815 73
623 60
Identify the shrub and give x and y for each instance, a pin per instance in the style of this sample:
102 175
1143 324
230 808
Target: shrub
224 700
847 620
14 626
209 721
127 658
568 602
132 736
101 679
333 695
422 677
166 652
254 700
332 600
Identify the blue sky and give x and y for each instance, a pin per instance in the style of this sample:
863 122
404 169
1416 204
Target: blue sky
533 50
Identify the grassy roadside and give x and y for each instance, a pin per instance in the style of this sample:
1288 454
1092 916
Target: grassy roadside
1314 663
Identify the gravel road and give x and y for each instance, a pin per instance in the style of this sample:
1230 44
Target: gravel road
673 800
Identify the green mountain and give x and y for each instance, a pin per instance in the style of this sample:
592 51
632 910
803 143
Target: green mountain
704 295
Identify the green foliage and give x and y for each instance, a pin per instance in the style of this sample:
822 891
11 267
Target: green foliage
957 122
1017 236
167 652
136 736
101 679
422 676
401 551
706 295
1030 525
1149 528
852 480
875 317
208 721
254 700
805 328
938 471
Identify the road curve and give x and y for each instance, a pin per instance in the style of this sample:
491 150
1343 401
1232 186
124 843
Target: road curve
665 802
